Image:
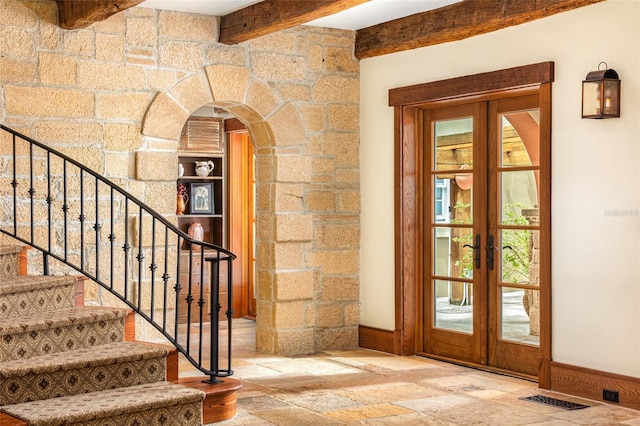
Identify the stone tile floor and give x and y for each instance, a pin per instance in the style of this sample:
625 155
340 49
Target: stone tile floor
364 387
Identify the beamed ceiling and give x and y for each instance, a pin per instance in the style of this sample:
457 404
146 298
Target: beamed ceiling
453 22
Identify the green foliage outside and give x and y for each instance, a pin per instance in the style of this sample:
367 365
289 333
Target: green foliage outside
515 245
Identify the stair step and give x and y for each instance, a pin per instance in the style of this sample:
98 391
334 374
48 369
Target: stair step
85 370
9 260
60 331
28 294
160 403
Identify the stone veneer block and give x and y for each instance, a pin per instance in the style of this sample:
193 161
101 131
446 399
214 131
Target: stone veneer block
48 102
122 106
294 342
289 255
289 197
342 338
228 83
345 147
329 316
157 166
287 127
337 88
262 98
17 71
294 285
335 262
122 137
111 76
183 26
193 92
294 168
165 118
294 227
288 315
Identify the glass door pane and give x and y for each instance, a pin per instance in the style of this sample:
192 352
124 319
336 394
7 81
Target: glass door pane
518 236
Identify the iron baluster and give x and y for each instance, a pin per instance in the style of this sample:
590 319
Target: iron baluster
230 310
112 237
140 257
65 207
177 289
126 247
153 265
14 184
49 202
97 227
165 277
81 219
31 191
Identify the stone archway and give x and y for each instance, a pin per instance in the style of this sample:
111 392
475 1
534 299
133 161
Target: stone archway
281 324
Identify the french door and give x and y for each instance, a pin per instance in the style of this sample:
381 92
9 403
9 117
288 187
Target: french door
483 194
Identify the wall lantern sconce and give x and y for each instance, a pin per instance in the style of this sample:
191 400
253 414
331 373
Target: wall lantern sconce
601 94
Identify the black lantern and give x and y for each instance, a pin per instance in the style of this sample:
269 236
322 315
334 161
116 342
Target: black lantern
601 94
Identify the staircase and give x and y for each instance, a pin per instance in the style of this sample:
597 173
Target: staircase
64 363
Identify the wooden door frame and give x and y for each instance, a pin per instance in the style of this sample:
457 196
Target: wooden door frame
241 214
408 197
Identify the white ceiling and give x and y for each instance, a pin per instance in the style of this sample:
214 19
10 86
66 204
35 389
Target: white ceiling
365 15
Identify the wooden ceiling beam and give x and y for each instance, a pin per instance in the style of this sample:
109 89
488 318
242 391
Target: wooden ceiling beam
75 14
455 22
270 16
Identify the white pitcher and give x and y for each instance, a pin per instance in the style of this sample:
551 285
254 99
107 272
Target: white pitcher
203 168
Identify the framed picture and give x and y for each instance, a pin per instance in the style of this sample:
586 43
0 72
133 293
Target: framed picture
201 198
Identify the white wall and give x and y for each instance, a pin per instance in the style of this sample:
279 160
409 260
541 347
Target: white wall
595 174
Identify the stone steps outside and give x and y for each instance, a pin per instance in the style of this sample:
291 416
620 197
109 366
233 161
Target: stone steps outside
160 403
29 294
107 366
59 331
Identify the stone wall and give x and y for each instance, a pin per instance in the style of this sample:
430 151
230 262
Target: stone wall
114 96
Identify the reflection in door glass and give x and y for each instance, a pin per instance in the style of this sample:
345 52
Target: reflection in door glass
451 257
453 308
520 138
453 144
520 315
452 204
520 256
519 197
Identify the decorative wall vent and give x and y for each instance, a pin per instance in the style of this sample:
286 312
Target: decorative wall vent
202 134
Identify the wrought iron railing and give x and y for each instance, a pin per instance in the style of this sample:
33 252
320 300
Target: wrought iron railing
77 218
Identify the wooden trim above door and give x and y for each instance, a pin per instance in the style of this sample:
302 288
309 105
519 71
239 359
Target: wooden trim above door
407 197
473 85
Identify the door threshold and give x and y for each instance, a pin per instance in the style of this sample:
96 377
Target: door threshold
481 367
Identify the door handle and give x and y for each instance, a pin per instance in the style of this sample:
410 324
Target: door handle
476 251
491 249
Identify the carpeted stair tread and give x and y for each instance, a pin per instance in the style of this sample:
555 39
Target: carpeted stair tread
23 283
90 408
108 366
107 354
60 331
10 249
60 318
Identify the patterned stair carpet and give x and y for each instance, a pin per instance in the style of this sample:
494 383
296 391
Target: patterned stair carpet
160 403
66 365
108 366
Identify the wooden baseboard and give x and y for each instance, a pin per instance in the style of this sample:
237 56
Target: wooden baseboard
588 383
376 339
221 400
